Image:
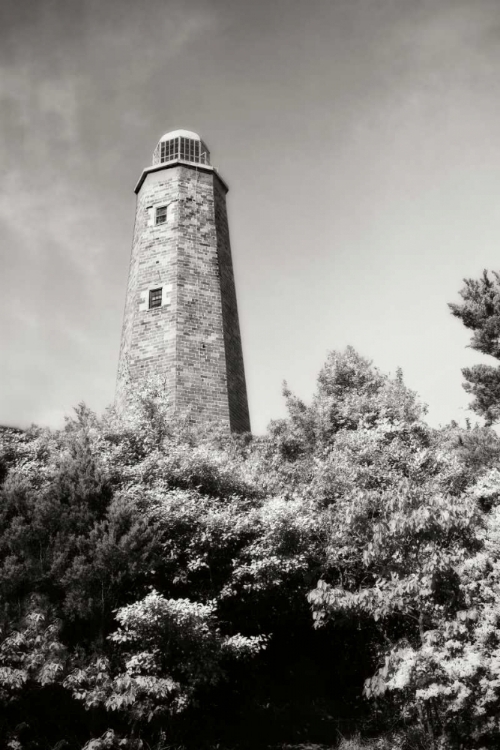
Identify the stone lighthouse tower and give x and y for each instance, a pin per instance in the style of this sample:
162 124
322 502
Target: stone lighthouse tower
181 317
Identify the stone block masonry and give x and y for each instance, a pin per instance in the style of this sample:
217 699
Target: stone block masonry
191 336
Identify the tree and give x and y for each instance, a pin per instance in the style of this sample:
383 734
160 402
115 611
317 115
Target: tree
480 312
411 555
154 577
150 525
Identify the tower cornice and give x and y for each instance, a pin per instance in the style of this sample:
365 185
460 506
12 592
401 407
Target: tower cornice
177 163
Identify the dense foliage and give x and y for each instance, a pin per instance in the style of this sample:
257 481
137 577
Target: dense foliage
162 585
480 312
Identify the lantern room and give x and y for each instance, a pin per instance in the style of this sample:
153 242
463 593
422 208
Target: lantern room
181 144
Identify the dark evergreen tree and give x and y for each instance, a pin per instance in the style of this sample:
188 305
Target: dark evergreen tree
480 312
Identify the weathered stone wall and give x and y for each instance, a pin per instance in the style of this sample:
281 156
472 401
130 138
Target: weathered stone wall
193 339
148 336
236 384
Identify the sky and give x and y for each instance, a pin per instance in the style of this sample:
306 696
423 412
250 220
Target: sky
361 143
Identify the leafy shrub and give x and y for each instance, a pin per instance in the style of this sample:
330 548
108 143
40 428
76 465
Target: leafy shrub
158 580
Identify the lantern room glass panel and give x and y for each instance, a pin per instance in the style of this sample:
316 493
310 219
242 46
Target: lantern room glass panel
183 148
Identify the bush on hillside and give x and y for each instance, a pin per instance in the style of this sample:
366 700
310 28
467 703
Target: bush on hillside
154 577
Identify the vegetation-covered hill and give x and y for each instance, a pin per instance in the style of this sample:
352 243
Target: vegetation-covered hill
164 586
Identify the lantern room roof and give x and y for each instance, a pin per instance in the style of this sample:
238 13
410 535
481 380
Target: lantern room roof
180 134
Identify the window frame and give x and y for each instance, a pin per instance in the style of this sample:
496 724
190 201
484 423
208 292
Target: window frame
163 208
155 298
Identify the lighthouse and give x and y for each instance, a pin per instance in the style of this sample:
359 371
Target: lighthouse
181 316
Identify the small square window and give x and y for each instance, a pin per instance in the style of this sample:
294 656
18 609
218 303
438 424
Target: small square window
161 214
155 298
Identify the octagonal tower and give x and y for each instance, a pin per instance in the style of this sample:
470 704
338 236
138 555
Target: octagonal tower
181 316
